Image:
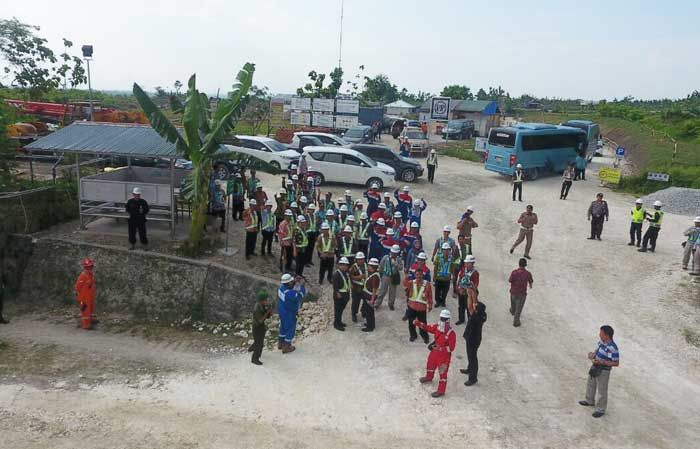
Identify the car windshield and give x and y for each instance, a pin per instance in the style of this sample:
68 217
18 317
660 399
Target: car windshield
454 123
341 141
276 146
355 132
415 135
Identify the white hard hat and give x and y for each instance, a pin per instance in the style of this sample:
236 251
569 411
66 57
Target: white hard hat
374 261
657 203
344 260
415 225
398 214
470 208
380 222
253 202
136 191
312 206
363 216
286 278
343 208
238 175
359 255
444 313
422 256
325 225
697 219
309 178
395 249
639 201
358 202
375 185
390 231
519 166
295 178
259 185
446 229
347 229
469 259
382 206
288 212
294 204
387 195
406 189
416 202
283 190
330 213
351 218
294 166
347 192
268 203
432 151
303 199
301 219
341 200
446 246
217 182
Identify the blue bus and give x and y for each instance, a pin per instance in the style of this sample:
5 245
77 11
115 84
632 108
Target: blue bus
538 147
592 131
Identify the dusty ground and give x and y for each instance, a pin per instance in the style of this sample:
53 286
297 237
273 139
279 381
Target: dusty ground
357 390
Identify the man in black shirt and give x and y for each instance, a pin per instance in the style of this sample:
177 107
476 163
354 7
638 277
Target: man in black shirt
137 208
472 335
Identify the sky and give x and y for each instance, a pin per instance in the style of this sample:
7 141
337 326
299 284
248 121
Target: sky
590 50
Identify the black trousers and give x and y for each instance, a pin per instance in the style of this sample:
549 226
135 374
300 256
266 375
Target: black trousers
650 237
565 186
300 261
636 231
462 307
325 268
580 173
288 254
258 340
355 304
518 187
140 226
368 313
339 307
442 287
597 226
473 343
222 214
266 242
250 239
237 210
310 248
421 316
431 173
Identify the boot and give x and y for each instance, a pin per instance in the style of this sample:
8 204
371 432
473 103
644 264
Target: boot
630 244
280 344
642 249
425 380
354 318
288 347
3 320
256 362
469 383
437 394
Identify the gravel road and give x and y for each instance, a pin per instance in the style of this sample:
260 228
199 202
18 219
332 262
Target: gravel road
355 390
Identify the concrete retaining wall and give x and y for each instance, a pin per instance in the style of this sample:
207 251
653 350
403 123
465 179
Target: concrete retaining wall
145 285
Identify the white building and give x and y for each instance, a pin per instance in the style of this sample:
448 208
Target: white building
399 107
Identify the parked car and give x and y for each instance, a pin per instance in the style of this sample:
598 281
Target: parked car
458 129
269 150
358 134
407 169
412 124
345 165
418 142
397 128
300 142
325 138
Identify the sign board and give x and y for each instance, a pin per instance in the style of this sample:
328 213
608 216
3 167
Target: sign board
663 177
347 106
323 104
610 175
277 114
620 152
480 144
325 120
345 121
301 104
300 118
439 108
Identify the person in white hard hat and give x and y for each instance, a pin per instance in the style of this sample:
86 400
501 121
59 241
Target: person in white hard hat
597 212
137 208
326 248
348 198
440 351
465 226
388 204
373 199
369 294
357 210
358 275
432 163
442 268
268 226
446 230
420 302
290 295
404 201
285 235
346 244
390 268
417 210
312 230
291 189
692 234
363 232
638 213
341 292
343 217
652 233
237 198
517 181
300 244
260 197
333 225
251 224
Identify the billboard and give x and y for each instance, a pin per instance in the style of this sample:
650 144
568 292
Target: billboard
323 104
345 121
440 108
301 104
347 106
300 118
325 120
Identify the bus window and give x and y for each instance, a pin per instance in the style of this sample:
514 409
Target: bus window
502 138
552 141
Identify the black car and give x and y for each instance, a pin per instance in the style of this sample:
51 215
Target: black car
458 129
407 169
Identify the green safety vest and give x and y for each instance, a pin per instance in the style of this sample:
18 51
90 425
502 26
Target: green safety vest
638 215
363 231
443 265
269 221
326 245
346 283
658 223
303 241
417 295
312 222
347 249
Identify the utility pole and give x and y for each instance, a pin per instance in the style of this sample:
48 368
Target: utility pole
340 46
87 54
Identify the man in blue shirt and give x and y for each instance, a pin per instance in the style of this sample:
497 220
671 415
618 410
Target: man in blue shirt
289 297
603 359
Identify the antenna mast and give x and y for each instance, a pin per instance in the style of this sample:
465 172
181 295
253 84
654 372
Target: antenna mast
340 46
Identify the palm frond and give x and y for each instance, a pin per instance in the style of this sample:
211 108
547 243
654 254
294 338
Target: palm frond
159 121
192 116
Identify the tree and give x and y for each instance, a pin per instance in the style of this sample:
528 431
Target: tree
482 95
257 110
33 66
414 99
458 92
201 137
316 89
7 146
379 89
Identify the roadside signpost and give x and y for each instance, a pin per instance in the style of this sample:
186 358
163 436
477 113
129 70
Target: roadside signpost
619 156
610 175
663 177
440 108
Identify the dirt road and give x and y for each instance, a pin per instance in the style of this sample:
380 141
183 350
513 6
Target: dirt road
353 390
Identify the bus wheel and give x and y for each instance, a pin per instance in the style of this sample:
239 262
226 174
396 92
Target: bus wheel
532 173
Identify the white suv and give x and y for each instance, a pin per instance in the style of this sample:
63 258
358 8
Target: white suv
269 150
326 138
344 165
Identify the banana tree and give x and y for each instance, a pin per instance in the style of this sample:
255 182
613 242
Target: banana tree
200 138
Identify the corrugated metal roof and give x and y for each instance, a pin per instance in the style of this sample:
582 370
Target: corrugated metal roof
399 104
118 139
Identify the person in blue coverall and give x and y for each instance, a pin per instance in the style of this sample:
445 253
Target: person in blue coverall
289 297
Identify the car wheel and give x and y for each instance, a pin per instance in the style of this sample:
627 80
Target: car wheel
318 179
408 175
276 165
532 173
377 181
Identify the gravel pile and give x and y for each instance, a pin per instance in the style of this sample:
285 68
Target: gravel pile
677 200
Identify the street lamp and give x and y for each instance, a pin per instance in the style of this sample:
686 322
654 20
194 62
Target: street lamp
87 54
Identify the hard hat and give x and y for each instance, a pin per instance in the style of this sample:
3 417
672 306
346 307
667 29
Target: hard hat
136 191
373 261
519 166
406 189
470 208
657 203
446 229
359 255
259 185
395 249
415 225
351 218
330 213
380 222
432 151
639 201
387 195
344 261
294 166
252 202
283 190
697 219
358 203
347 229
363 216
303 199
312 206
398 214
348 193
263 294
288 213
341 200
390 231
301 219
287 278
325 226
446 246
295 178
289 182
416 202
217 182
310 178
382 206
268 203
294 204
375 185
469 259
343 208
238 175
422 256
444 313
87 262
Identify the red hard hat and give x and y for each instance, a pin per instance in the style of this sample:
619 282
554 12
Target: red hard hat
87 262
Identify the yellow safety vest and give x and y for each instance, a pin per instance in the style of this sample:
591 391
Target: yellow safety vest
661 218
518 176
346 283
638 215
325 245
347 250
269 221
304 242
363 231
417 295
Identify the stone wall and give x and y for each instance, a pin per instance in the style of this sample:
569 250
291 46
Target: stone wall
144 284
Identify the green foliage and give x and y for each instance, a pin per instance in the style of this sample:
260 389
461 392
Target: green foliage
379 89
36 211
461 149
316 89
458 92
7 147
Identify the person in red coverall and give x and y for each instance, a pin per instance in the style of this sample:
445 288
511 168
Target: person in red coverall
440 352
85 289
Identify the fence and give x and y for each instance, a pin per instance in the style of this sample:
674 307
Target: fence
29 211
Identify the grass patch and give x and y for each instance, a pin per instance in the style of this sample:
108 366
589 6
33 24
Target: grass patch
691 336
461 149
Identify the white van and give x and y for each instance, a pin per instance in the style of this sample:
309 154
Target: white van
344 165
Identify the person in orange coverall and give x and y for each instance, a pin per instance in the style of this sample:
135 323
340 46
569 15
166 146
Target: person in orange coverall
85 289
440 352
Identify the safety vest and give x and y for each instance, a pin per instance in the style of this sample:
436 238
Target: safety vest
253 220
362 271
312 222
443 266
657 224
333 227
364 231
303 241
388 267
518 176
342 222
269 222
418 295
367 280
347 248
345 288
638 215
466 280
326 245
